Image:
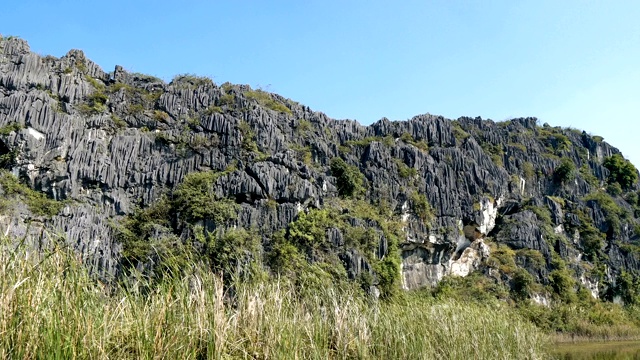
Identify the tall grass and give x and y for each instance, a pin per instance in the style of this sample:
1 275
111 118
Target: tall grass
51 308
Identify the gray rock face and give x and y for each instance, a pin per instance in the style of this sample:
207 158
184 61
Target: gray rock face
110 142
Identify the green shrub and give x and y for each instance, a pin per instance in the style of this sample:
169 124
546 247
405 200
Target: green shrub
235 254
405 171
226 100
563 285
528 171
565 172
522 283
248 137
96 104
265 99
621 171
38 203
9 128
161 116
421 207
458 131
195 199
349 179
191 81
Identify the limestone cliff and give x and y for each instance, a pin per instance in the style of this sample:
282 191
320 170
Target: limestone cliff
105 144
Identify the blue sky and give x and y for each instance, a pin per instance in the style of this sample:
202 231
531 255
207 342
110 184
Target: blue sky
569 63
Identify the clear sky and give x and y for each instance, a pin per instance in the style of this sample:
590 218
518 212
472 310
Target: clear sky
567 62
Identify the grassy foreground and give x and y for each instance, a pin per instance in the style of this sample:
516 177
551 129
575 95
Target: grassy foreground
51 308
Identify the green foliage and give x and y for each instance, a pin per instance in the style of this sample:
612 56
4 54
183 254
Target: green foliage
349 179
420 144
363 142
133 231
621 171
612 211
9 128
561 281
118 122
161 116
265 99
522 284
528 171
304 126
458 131
592 240
502 258
542 213
213 109
303 153
404 171
496 153
533 257
37 202
98 85
235 254
248 137
191 81
226 100
628 288
588 176
554 139
58 311
194 199
421 207
135 109
472 288
614 189
309 231
565 172
96 104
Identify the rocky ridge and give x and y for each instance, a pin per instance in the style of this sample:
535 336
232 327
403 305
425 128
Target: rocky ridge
435 197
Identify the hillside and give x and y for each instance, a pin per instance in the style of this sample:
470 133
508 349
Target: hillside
128 170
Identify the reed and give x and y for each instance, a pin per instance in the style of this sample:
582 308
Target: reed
51 308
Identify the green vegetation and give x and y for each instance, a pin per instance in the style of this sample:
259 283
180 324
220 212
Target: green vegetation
96 104
420 144
52 309
9 128
303 153
565 172
528 170
161 116
554 140
621 171
496 152
190 81
37 202
362 142
458 131
570 314
265 99
195 199
192 201
349 179
588 176
404 171
304 127
421 207
612 211
118 122
248 137
226 100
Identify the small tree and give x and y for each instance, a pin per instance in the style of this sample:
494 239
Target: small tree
349 180
621 171
565 172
